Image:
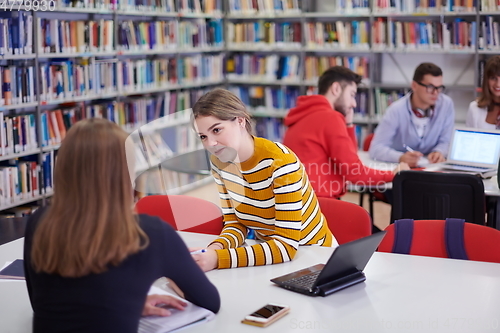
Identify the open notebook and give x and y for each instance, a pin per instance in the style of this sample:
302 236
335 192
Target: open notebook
191 315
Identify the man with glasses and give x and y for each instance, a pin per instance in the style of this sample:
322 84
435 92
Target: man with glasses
419 124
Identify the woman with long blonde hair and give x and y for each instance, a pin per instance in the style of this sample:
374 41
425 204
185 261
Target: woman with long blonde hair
262 187
89 260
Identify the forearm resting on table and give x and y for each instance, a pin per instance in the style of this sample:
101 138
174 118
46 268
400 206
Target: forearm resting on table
215 246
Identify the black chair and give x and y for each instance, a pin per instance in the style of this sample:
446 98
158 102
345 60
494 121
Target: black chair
422 195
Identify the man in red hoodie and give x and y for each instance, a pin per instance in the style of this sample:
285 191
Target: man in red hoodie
321 133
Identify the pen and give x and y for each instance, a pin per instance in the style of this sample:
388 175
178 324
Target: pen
408 148
199 251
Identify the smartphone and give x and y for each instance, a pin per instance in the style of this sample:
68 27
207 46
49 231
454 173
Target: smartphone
268 313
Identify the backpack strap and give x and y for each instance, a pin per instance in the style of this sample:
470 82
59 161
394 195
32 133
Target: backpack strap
454 238
403 235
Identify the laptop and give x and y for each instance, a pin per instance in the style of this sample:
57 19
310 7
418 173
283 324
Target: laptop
343 269
473 150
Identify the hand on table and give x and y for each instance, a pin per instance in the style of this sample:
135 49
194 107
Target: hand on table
207 260
411 157
436 157
401 167
152 301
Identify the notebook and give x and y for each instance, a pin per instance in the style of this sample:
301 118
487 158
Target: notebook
191 315
343 269
473 150
13 270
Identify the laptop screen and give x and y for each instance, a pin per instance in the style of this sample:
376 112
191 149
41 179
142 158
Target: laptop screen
475 146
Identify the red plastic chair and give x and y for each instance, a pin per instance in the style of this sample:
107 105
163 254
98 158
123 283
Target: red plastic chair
347 221
481 243
368 142
183 212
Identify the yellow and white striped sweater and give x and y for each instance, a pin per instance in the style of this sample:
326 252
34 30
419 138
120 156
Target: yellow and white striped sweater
271 194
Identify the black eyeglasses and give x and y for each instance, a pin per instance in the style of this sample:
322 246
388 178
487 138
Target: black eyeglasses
430 88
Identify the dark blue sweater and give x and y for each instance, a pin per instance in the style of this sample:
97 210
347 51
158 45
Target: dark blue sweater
113 301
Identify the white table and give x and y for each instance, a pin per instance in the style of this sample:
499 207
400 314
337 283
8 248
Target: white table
490 185
491 190
401 294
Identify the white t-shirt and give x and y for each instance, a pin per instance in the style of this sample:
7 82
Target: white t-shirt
476 117
420 124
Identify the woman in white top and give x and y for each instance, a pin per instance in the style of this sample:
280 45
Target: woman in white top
485 111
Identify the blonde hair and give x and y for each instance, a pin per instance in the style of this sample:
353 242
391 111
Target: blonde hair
491 69
90 224
224 105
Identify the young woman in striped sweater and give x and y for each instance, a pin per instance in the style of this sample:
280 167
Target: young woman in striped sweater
262 186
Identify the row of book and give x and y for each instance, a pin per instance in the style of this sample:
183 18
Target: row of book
270 128
66 37
17 134
263 67
390 34
490 5
341 7
16 33
264 32
61 36
489 34
424 6
20 179
149 5
130 114
315 66
182 6
17 85
361 111
251 7
265 99
73 78
161 110
256 7
168 35
340 34
384 98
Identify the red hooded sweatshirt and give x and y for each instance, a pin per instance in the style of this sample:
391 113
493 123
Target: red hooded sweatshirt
327 147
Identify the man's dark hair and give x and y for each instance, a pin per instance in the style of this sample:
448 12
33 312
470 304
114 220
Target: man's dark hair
424 69
340 74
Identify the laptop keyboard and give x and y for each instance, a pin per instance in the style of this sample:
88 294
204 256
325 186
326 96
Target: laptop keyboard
305 281
462 166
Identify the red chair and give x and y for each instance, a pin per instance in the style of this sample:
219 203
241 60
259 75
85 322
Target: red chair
373 195
481 243
368 142
347 221
183 212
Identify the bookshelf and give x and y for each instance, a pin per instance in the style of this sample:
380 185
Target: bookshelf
130 61
133 61
370 37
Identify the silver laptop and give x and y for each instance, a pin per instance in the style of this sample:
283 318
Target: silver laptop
473 150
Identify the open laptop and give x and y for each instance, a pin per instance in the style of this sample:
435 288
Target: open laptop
473 150
343 269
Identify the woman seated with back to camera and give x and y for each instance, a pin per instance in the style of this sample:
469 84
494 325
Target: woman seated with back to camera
89 260
484 112
262 187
